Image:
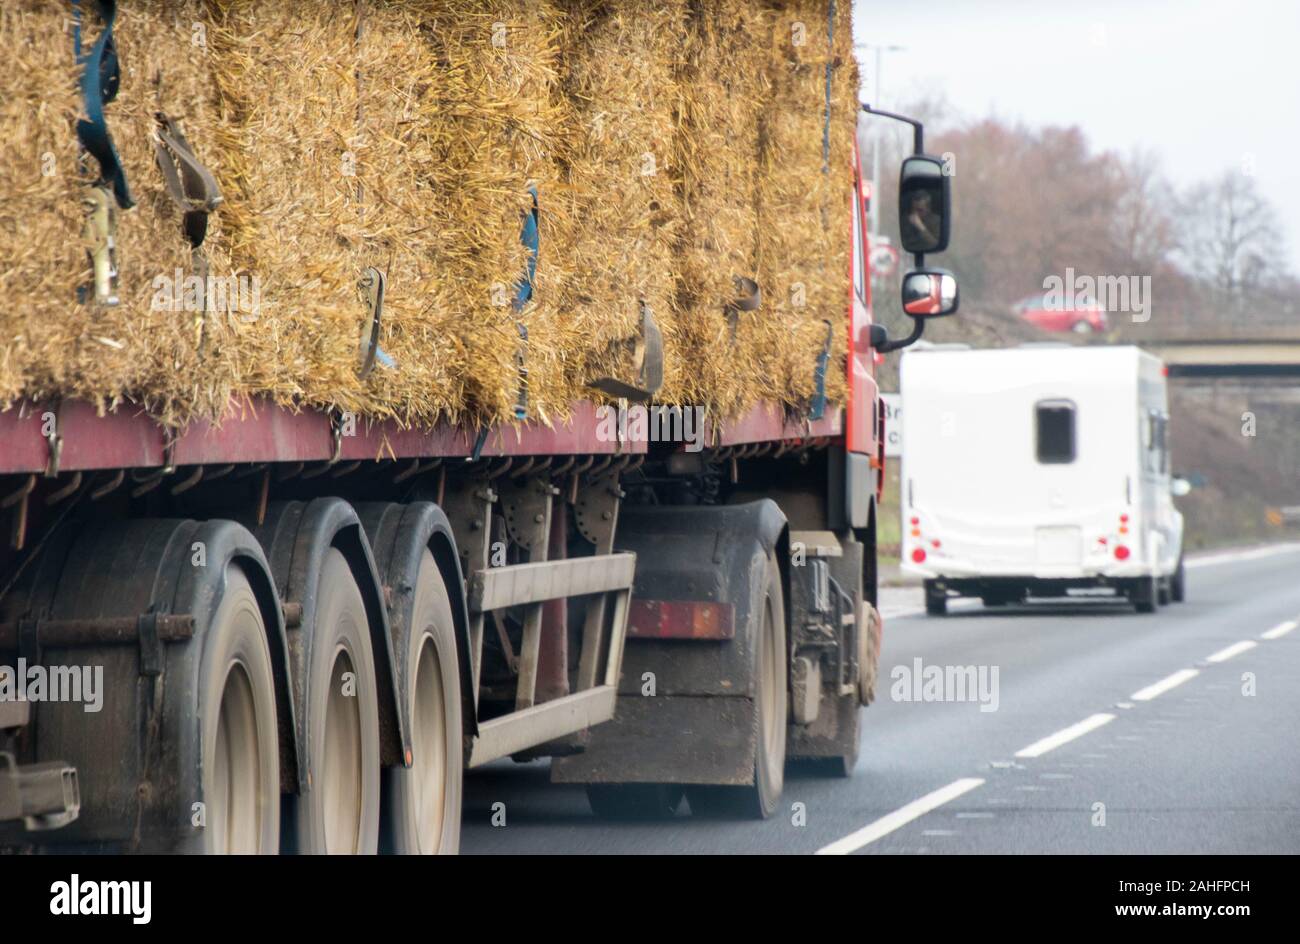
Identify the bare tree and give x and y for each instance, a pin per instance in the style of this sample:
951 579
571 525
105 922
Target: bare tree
1232 236
1144 216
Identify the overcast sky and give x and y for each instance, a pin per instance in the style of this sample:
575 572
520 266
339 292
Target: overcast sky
1206 84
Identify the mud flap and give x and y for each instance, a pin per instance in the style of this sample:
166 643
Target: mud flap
685 710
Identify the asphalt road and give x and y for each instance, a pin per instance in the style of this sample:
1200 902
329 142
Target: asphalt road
1205 760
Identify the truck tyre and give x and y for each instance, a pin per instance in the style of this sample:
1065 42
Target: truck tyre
1178 583
869 647
634 801
1164 595
936 600
1144 594
241 753
339 811
424 800
771 697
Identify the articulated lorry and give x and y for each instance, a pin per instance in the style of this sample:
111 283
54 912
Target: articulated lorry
292 628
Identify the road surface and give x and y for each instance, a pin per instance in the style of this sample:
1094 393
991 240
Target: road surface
1177 732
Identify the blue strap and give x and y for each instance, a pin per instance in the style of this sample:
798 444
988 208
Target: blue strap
530 236
101 74
818 405
531 239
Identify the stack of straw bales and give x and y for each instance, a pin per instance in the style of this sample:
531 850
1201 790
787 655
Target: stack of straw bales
675 144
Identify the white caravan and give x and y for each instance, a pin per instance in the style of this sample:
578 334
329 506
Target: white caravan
1036 470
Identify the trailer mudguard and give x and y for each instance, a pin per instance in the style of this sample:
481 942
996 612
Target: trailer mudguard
686 711
398 533
297 536
136 791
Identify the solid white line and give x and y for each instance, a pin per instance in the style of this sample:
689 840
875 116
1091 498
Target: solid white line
1280 630
1232 557
1236 649
1065 735
1162 686
900 817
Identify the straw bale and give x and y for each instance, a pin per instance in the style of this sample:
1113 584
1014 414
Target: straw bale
617 193
804 199
673 145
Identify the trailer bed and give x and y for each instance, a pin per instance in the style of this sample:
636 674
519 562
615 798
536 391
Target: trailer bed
262 432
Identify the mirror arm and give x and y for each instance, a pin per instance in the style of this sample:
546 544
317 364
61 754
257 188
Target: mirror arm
918 130
918 329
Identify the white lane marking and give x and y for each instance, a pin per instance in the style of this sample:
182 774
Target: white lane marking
1166 683
1280 630
900 817
1232 557
1065 735
1236 649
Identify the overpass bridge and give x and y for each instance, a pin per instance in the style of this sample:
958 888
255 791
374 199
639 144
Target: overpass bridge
1242 358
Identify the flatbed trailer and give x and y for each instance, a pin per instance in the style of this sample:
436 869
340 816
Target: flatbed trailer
294 630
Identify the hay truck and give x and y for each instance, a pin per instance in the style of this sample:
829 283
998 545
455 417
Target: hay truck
294 630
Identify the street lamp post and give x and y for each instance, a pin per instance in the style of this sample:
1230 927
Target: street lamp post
878 50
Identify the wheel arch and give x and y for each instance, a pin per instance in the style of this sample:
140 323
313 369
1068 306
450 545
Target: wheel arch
231 544
296 536
398 533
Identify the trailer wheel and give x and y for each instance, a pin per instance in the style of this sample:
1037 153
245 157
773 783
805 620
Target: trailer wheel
425 799
1178 583
759 799
936 600
241 773
339 812
634 801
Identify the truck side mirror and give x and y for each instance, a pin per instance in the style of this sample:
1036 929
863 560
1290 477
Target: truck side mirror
924 200
929 293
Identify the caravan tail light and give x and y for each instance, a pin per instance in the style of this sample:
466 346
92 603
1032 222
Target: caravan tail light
1121 552
918 555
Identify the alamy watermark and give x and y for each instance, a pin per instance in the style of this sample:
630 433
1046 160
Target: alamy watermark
55 683
1116 294
78 896
237 294
945 683
658 424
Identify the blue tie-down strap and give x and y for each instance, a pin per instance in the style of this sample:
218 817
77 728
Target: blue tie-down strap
101 75
531 239
818 405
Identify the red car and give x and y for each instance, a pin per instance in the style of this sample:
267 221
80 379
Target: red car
1053 314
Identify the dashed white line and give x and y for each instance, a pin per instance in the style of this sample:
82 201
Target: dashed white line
1166 683
1236 649
1065 735
900 817
1280 630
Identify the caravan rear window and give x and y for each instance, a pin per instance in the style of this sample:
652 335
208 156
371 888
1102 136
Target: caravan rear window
1054 431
